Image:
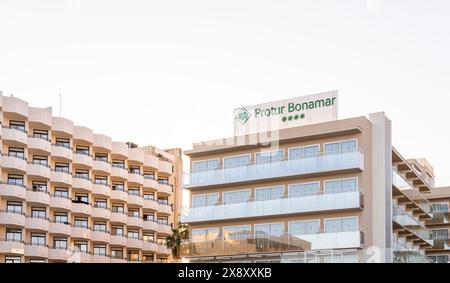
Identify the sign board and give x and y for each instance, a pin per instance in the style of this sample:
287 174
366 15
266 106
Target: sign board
288 113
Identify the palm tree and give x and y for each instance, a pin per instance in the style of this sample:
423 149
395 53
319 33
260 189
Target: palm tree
174 241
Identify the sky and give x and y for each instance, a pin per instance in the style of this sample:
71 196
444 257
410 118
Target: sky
169 73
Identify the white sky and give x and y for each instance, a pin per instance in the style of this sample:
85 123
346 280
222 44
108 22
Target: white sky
171 72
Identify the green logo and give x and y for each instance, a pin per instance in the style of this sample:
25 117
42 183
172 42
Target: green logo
242 115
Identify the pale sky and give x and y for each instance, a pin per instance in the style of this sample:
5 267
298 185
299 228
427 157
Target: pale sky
171 72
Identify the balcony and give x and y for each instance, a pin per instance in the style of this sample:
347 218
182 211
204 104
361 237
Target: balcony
134 178
79 257
136 200
82 183
407 226
120 149
61 178
14 163
164 229
164 209
246 246
12 218
102 143
58 254
165 168
439 218
100 259
13 192
134 221
15 137
82 160
414 197
116 240
277 207
39 251
119 195
15 106
118 260
164 190
39 145
150 204
101 213
151 184
117 217
39 197
81 208
151 162
150 226
64 153
37 224
38 171
60 203
62 126
101 190
12 247
100 236
164 250
81 233
103 167
134 243
150 247
338 240
83 134
119 173
441 243
311 166
62 229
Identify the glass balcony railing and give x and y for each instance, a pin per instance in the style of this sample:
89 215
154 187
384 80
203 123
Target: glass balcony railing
283 168
320 202
405 186
403 218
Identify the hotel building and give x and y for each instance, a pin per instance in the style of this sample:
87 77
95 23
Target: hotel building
70 195
335 191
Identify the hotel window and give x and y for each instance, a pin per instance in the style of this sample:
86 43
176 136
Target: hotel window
14 207
118 164
101 157
134 191
133 234
205 200
149 175
83 150
62 143
117 230
302 190
149 196
62 167
37 260
163 220
100 250
40 134
101 203
205 165
439 234
81 223
81 198
134 170
60 243
82 174
162 260
101 180
236 161
149 237
341 147
61 193
12 259
13 235
306 227
341 186
304 152
81 246
263 194
163 181
236 197
148 258
118 208
270 229
205 235
38 186
17 125
16 152
440 259
236 232
61 217
133 213
40 213
117 253
441 207
16 180
38 240
116 186
339 225
161 241
40 160
150 216
164 201
269 156
133 256
100 227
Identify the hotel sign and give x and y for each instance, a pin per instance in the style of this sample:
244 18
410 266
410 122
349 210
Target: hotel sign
294 112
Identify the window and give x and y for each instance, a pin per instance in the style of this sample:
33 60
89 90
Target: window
149 175
40 134
163 181
118 208
150 216
82 174
341 147
83 150
100 227
439 234
133 256
341 186
236 161
13 235
304 152
40 213
39 186
100 250
16 180
17 125
339 225
82 247
61 217
149 237
38 240
118 164
163 220
149 196
60 243
205 165
117 231
61 193
134 170
16 152
205 200
133 213
161 241
37 260
271 229
269 156
62 167
303 190
81 223
62 143
164 201
236 232
101 203
236 197
12 259
40 160
101 157
81 198
101 180
205 235
116 253
440 207
14 207
116 186
133 234
263 194
307 227
134 191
